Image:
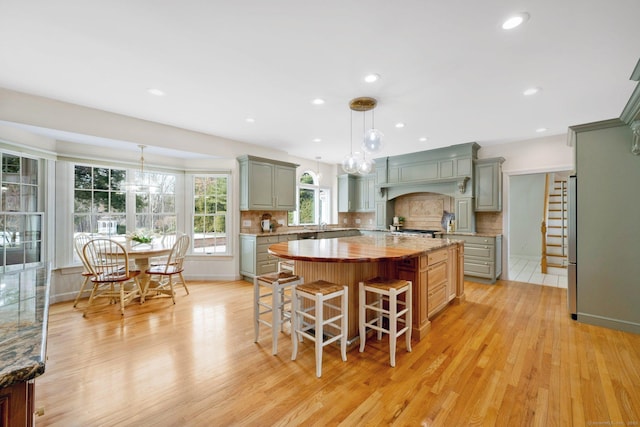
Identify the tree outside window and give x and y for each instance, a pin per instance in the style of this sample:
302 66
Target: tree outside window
210 214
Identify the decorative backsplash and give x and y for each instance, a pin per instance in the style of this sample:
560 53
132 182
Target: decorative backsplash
423 210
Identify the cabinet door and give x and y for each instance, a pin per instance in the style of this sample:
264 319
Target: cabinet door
285 188
247 255
465 218
261 180
346 192
488 185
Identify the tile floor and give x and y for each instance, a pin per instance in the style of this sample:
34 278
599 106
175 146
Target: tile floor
527 269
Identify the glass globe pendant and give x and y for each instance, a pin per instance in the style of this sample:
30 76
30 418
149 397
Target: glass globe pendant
350 163
372 141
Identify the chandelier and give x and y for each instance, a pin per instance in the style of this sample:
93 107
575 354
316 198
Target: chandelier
143 181
357 162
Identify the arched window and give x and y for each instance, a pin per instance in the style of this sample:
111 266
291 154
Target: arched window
312 201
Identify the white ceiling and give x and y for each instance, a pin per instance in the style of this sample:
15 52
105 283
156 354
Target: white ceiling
448 70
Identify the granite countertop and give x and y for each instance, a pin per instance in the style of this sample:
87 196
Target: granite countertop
384 247
24 313
289 231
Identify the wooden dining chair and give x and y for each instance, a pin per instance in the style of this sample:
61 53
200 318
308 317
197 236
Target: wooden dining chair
111 276
79 241
162 275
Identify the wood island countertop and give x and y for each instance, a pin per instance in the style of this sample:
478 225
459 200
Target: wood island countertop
358 248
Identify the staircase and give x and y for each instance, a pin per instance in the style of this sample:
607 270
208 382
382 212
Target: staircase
554 226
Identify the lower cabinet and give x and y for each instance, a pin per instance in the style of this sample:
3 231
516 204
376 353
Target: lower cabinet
255 259
482 257
17 405
429 275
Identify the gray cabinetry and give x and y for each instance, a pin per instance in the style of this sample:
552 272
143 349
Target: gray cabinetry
267 184
482 257
365 193
465 218
346 193
488 184
255 259
356 193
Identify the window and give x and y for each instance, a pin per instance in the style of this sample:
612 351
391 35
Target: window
20 221
156 210
99 206
210 214
313 202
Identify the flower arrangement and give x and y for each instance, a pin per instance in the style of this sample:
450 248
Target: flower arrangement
141 236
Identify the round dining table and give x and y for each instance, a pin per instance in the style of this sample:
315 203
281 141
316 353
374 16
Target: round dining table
141 254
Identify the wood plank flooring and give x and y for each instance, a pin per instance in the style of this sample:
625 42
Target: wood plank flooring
508 356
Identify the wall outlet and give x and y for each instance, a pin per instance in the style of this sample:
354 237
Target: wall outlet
357 220
344 221
246 223
281 221
370 221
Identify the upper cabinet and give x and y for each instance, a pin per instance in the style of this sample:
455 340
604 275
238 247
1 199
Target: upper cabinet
267 184
346 193
488 184
356 193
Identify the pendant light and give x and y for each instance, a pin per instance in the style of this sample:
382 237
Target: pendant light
350 163
371 139
142 183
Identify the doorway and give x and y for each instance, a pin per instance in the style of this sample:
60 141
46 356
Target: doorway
526 198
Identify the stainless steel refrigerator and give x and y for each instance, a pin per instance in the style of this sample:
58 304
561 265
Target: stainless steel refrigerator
572 288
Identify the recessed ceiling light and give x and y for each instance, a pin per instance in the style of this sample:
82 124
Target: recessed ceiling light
541 130
371 78
531 91
515 20
400 125
318 101
250 120
422 139
317 140
155 91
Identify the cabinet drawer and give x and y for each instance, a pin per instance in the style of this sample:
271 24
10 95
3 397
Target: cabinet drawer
436 275
481 251
288 237
436 298
479 268
437 256
263 240
478 240
266 267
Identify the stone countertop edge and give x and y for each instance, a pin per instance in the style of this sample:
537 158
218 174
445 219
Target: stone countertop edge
476 234
23 350
298 231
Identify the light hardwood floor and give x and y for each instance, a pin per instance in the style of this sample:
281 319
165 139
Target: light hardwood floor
509 355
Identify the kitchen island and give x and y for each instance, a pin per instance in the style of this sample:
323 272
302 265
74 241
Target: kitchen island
24 304
435 266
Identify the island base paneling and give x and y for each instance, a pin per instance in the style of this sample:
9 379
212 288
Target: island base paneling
349 274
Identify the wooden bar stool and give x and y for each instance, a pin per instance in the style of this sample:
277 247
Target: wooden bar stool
274 301
386 305
309 322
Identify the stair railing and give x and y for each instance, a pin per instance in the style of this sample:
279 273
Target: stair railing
543 227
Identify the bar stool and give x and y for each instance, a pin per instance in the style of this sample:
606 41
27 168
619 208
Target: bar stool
274 302
386 306
305 319
286 265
